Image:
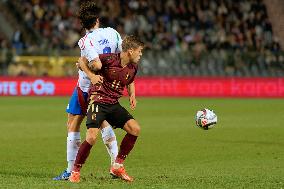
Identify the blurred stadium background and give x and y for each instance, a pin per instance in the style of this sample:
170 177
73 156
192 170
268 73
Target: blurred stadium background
195 48
184 37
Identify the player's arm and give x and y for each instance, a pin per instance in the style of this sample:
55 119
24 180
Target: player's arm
95 65
132 97
91 62
88 68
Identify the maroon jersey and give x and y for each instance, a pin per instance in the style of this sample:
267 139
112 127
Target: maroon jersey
115 78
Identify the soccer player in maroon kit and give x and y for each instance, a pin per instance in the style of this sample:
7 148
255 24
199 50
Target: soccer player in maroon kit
117 71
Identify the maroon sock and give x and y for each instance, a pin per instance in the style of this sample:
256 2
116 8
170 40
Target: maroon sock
125 147
82 155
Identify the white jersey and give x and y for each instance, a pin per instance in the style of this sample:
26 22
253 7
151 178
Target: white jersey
95 42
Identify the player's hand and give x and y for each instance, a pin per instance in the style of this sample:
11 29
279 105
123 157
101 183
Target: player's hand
96 79
133 102
78 66
81 62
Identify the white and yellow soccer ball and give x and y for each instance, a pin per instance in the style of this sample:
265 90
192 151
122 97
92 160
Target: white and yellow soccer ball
205 119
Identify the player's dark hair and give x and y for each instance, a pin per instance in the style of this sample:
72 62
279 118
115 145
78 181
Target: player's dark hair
131 42
88 13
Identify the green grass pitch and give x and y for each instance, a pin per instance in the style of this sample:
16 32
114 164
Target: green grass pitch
244 150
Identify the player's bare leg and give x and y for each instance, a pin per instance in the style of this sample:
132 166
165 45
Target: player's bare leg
133 130
83 153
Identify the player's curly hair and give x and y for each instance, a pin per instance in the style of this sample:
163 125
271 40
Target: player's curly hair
88 13
131 42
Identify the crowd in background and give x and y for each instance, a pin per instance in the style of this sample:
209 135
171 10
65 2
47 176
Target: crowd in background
165 24
199 37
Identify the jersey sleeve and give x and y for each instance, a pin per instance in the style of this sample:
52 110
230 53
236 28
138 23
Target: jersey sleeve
87 46
118 42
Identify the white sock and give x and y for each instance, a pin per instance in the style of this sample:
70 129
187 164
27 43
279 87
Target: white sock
112 149
73 144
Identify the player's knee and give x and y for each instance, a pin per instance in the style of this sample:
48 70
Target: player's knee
91 139
69 121
73 128
74 122
68 124
92 136
132 127
135 129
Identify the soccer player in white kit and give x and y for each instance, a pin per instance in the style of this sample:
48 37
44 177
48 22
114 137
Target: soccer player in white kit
96 41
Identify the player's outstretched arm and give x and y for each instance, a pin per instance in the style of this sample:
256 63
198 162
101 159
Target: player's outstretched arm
84 65
132 97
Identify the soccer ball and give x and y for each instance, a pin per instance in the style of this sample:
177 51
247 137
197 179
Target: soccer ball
205 119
